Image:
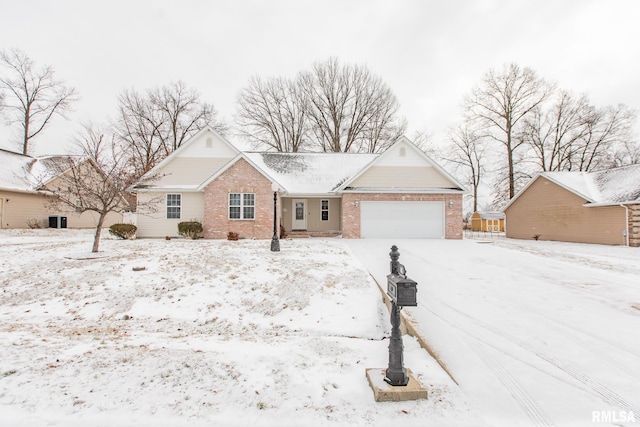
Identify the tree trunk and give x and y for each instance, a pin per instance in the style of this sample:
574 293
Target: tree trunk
96 238
25 142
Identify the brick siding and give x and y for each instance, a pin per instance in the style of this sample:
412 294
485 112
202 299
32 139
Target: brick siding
241 177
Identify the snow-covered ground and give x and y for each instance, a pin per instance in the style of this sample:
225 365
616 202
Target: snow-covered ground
208 333
535 333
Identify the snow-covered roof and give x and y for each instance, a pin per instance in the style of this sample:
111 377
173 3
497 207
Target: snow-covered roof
611 186
310 173
491 215
25 173
608 187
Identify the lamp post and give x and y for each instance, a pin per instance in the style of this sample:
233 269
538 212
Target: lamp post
275 243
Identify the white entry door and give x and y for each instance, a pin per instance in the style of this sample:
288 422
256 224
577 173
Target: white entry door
299 209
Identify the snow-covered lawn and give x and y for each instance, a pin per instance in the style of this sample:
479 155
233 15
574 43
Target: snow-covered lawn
208 333
535 333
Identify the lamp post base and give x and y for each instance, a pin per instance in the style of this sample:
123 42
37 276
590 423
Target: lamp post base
275 244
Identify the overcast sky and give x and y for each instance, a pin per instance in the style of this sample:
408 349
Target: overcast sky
429 53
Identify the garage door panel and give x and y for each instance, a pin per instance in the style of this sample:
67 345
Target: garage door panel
402 219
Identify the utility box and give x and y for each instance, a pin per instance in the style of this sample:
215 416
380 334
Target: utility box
57 221
402 290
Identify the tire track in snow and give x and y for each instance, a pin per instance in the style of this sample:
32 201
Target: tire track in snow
596 350
524 400
603 392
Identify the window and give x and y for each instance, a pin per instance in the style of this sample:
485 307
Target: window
174 203
324 210
242 205
78 205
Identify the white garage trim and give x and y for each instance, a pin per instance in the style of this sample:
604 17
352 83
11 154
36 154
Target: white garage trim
419 220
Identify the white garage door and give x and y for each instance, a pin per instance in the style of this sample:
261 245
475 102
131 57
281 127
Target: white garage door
419 220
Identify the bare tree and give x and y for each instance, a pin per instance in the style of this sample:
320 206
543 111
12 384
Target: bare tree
185 114
605 129
502 100
152 125
574 135
467 153
554 133
86 185
350 108
34 94
273 113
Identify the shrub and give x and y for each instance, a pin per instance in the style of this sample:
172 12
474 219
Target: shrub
123 231
190 229
232 235
36 223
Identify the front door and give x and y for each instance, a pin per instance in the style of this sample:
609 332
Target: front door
299 210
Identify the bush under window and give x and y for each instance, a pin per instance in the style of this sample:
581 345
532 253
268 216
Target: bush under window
190 229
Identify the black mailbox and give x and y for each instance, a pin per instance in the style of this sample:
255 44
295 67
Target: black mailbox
402 290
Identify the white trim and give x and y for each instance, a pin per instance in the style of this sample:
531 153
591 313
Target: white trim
241 206
405 191
166 205
177 151
328 210
417 151
233 161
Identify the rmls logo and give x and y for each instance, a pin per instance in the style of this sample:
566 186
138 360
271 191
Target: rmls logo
612 417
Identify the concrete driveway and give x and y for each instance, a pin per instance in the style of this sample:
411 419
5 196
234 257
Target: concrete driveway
535 333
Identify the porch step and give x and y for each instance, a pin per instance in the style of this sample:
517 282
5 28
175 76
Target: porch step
304 234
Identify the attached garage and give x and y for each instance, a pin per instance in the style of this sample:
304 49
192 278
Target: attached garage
402 219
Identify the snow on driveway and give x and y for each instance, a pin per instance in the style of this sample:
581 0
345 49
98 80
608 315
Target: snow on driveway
535 333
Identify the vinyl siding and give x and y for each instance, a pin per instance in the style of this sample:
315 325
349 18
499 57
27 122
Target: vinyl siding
189 170
314 215
23 207
553 213
152 216
402 177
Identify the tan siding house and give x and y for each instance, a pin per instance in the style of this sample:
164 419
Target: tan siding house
23 205
316 194
599 207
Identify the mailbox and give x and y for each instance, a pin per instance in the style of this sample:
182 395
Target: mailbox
402 290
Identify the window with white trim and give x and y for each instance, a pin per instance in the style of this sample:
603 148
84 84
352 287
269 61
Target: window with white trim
174 206
242 206
324 210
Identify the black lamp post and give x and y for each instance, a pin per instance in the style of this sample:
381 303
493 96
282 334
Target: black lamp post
275 243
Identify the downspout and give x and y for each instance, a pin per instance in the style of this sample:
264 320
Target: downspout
626 226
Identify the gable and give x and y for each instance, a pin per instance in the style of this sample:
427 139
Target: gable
543 193
403 166
193 163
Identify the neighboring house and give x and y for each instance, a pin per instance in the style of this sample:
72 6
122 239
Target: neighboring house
24 205
588 207
487 221
400 193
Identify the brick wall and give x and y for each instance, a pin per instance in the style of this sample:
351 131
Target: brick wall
351 212
634 225
239 178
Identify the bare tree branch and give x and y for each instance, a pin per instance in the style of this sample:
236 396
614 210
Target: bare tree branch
501 102
35 96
